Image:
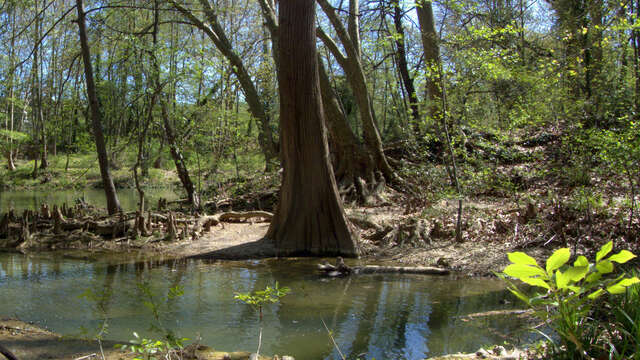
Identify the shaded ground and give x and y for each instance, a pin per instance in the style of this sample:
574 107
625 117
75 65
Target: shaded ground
30 342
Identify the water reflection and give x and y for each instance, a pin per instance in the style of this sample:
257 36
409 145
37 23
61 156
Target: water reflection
21 200
399 317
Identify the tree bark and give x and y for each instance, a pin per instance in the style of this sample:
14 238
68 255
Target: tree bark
355 76
309 219
10 164
113 205
431 48
352 164
403 68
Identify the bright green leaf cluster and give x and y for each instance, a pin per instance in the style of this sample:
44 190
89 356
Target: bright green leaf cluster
150 348
580 278
270 295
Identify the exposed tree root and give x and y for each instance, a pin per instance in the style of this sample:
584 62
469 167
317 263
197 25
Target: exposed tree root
81 226
8 354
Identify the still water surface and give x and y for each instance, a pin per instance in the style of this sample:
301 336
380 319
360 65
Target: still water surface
379 316
28 199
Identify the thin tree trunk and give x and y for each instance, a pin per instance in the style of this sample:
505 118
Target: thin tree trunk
113 205
309 219
403 68
355 75
217 35
10 165
176 155
636 60
431 48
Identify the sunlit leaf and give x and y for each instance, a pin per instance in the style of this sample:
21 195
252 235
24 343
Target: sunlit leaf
519 257
621 286
604 250
535 282
622 257
562 279
559 258
520 271
604 267
595 294
581 261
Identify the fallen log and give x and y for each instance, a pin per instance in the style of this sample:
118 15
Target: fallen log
377 269
233 216
340 269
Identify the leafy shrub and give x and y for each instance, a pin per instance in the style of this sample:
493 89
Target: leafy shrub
257 299
570 296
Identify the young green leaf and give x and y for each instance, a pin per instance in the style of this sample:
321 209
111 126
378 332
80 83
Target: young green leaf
521 271
604 267
557 259
621 286
604 250
535 282
622 257
520 295
595 294
519 257
581 261
562 279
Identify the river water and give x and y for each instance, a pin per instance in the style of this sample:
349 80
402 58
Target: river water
371 316
29 199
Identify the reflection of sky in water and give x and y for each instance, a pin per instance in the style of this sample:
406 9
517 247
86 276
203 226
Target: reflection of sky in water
384 317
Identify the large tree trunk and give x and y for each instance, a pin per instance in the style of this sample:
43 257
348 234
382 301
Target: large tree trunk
353 167
309 219
113 205
431 49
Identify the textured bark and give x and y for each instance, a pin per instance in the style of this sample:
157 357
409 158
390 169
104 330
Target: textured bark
113 205
309 219
355 76
10 164
403 68
351 164
353 25
431 48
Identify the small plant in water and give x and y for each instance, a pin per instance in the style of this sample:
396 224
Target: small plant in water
150 348
570 293
257 299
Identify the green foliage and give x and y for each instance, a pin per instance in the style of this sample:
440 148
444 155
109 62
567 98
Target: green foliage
151 349
626 314
570 293
257 299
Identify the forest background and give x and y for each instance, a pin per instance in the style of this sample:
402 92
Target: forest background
523 113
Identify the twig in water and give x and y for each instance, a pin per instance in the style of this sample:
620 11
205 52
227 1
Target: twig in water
333 340
87 357
259 343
